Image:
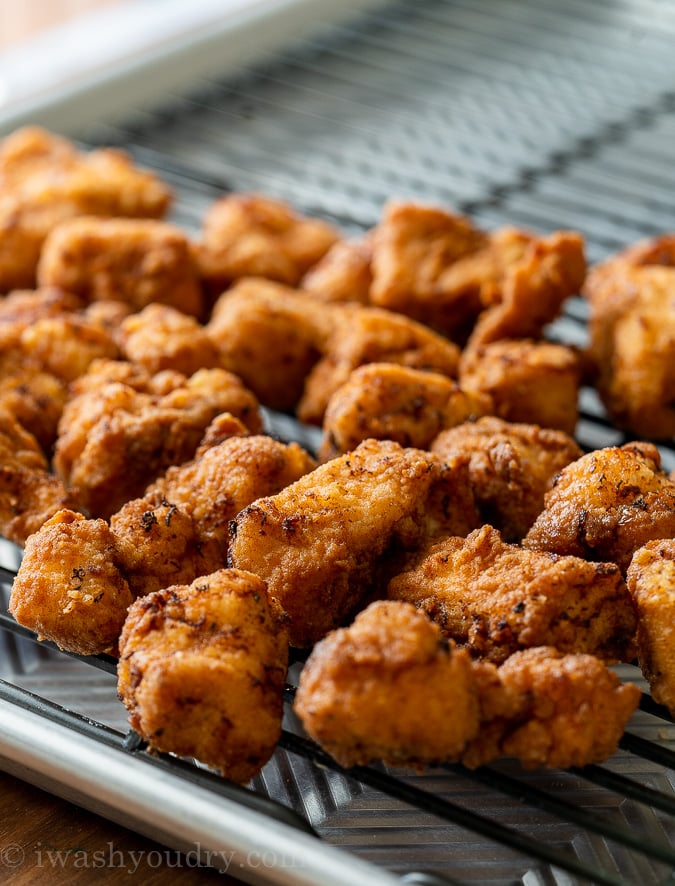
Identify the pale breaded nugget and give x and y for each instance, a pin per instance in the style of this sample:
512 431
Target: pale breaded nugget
651 582
115 440
498 598
44 180
29 493
533 382
248 235
511 466
137 261
322 543
533 290
553 710
607 504
372 335
386 401
270 336
69 588
388 688
202 671
632 336
344 273
160 337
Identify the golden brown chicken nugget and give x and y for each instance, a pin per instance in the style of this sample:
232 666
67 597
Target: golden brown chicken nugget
386 401
23 307
511 467
651 582
202 671
344 273
533 382
69 588
388 688
65 346
498 598
322 543
607 504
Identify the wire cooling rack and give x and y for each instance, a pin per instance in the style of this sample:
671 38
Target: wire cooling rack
526 112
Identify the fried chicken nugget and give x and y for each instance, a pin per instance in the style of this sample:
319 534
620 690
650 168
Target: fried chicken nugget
202 671
69 588
248 235
29 493
161 337
64 346
533 382
386 401
44 180
137 261
344 273
651 582
551 710
498 598
271 336
511 467
23 307
388 688
322 543
372 335
607 504
115 440
632 336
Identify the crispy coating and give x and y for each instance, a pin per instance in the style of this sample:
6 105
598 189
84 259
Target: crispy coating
651 582
323 542
160 337
270 336
29 493
248 235
23 307
137 261
226 477
115 440
344 273
372 335
202 670
632 336
511 466
35 398
551 710
533 382
64 346
44 180
69 588
498 598
386 401
607 504
388 688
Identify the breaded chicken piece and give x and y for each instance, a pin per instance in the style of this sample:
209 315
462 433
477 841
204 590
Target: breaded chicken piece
533 382
344 273
498 598
160 337
114 440
511 467
388 688
23 307
270 336
64 346
323 543
651 582
632 336
372 335
69 588
607 504
202 671
533 290
137 261
552 710
249 235
29 493
386 401
44 180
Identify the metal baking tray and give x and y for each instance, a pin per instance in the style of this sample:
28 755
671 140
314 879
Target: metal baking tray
527 112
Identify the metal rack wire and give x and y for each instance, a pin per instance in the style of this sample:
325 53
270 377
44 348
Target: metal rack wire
526 112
